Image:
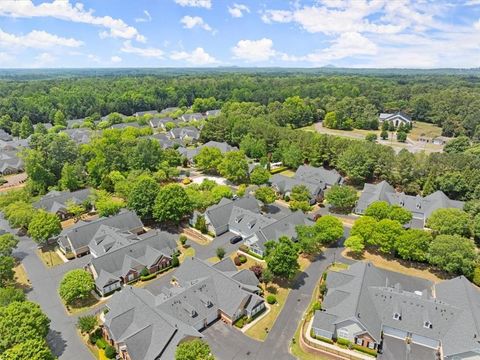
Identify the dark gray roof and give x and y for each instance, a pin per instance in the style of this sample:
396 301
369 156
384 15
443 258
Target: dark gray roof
148 112
219 214
222 146
151 326
169 110
5 136
285 184
191 117
125 125
56 201
80 136
318 175
395 349
391 117
10 162
108 239
82 232
182 132
134 254
421 207
156 122
245 222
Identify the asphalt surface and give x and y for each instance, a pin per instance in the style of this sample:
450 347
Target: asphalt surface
62 338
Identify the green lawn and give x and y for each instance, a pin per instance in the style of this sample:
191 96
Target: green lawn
49 256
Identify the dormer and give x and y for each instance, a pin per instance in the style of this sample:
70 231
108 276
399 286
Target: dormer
238 219
427 324
397 316
251 224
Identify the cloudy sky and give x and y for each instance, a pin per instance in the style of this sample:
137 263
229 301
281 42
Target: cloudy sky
179 33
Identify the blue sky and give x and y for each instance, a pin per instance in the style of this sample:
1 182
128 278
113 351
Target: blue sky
210 33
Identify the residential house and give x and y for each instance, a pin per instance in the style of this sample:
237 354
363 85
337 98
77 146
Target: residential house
10 163
56 202
192 117
400 316
75 240
165 141
157 123
315 179
395 118
119 258
147 326
80 136
169 110
125 125
75 123
149 112
13 145
212 113
222 146
4 136
285 226
420 207
188 133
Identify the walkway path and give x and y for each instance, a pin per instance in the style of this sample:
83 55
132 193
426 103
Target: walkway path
62 338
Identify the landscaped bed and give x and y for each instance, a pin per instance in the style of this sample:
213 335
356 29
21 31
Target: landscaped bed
49 256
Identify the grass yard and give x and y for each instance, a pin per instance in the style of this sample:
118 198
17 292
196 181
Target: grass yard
426 129
185 253
288 172
404 267
49 256
21 278
82 305
259 331
97 353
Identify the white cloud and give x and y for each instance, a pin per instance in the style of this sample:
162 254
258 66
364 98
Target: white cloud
144 52
93 58
476 25
116 59
62 9
37 39
207 4
346 45
189 22
280 16
147 17
197 57
44 59
237 10
254 50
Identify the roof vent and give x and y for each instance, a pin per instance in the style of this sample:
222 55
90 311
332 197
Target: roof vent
397 316
427 324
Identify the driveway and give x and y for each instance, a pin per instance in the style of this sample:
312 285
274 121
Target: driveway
62 338
207 251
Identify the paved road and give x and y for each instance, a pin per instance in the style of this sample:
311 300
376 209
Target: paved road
62 338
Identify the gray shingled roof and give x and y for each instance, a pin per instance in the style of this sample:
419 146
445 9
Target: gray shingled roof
5 136
222 146
108 238
285 184
219 214
83 231
318 175
56 201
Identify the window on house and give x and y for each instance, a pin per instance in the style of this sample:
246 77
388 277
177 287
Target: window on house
427 324
343 333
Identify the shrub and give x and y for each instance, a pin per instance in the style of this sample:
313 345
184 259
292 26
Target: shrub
243 259
324 339
316 306
186 181
278 170
144 272
220 252
364 350
243 248
240 323
257 270
182 239
323 289
271 299
175 261
110 352
237 261
101 343
344 342
286 198
148 277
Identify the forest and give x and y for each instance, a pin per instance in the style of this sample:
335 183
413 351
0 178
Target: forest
450 101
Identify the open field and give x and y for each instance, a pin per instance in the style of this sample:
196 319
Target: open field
423 128
404 267
21 277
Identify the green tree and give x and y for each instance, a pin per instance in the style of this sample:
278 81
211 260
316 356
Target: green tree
87 323
59 118
75 209
26 128
266 195
371 137
34 349
450 221
325 231
358 162
19 214
476 227
453 254
364 227
7 274
378 210
401 136
457 145
72 177
400 214
234 167
221 191
10 294
259 175
385 234
384 134
171 204
147 154
355 244
341 198
193 350
413 244
220 252
282 257
44 226
252 147
76 285
7 243
208 159
20 322
6 123
142 196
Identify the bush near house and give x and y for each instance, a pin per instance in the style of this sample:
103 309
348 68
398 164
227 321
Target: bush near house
344 342
148 277
278 170
364 350
237 261
241 322
321 338
101 343
271 299
110 352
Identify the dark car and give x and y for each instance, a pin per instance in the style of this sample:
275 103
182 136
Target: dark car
235 239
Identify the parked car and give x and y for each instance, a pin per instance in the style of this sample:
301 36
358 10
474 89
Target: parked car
235 239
